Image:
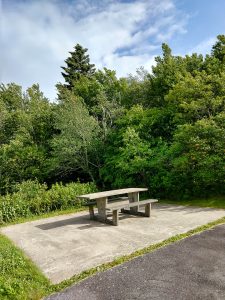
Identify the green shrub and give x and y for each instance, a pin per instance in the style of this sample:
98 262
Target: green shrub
32 198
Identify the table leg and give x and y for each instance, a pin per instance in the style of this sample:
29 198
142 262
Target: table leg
101 205
115 220
148 210
133 197
91 212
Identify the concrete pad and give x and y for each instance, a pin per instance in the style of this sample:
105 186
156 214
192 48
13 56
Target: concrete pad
191 269
66 245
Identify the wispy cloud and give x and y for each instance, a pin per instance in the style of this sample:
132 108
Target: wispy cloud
204 47
38 34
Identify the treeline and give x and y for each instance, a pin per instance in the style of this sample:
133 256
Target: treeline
163 129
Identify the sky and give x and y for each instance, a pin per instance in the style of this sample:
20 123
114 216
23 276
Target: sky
123 35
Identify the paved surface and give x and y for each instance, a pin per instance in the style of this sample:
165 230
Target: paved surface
66 245
193 268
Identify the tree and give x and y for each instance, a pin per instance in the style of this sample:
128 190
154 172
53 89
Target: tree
136 89
126 165
166 73
12 105
41 124
78 64
20 160
218 50
101 94
74 147
27 126
163 129
197 97
197 158
133 154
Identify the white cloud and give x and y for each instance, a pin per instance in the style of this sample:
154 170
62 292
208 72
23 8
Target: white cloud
37 36
128 64
204 47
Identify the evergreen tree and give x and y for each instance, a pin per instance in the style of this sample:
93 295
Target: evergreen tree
78 64
218 50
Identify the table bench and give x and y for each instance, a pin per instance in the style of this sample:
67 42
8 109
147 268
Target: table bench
92 204
124 209
129 204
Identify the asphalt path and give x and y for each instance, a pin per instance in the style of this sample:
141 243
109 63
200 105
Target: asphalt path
193 268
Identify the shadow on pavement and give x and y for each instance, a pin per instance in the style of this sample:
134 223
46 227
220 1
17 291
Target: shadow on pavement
83 220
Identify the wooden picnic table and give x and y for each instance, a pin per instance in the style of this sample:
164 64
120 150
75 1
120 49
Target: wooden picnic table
102 200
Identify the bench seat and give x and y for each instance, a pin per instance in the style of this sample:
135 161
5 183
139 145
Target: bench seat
131 204
91 205
129 208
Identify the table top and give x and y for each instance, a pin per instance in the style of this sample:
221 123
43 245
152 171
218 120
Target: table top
111 193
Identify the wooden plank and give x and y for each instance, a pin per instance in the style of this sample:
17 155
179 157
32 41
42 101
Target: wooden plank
111 193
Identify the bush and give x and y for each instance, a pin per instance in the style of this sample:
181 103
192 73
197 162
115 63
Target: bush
32 198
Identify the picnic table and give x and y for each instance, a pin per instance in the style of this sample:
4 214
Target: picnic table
127 202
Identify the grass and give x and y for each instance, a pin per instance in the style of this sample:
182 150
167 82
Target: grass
55 213
20 279
215 202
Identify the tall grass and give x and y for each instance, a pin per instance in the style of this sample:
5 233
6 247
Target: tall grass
33 198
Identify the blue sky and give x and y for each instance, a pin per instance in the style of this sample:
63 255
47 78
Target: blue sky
121 35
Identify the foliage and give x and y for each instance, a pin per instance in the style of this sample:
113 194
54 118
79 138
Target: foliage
197 158
197 97
77 65
92 106
163 129
177 139
26 131
75 145
218 50
165 74
32 198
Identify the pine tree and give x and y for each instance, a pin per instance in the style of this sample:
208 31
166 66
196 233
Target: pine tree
78 64
218 50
